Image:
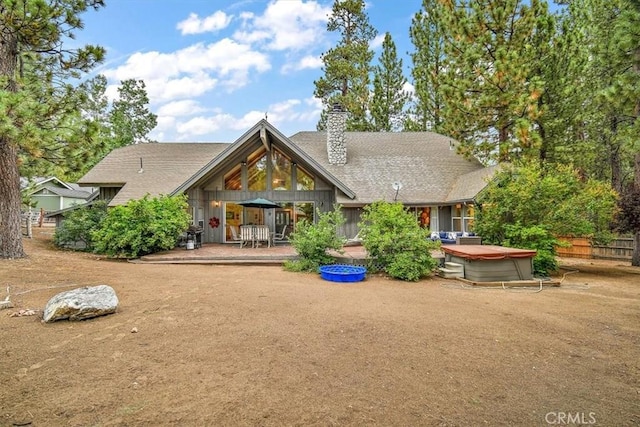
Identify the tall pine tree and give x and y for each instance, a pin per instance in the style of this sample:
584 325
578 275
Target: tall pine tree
347 65
428 58
130 118
389 97
37 104
611 107
489 86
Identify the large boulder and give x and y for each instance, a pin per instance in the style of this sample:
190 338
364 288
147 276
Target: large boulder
81 303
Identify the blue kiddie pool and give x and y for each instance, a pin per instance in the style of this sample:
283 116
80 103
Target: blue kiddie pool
342 273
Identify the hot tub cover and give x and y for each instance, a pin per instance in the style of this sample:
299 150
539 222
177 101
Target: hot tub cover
474 252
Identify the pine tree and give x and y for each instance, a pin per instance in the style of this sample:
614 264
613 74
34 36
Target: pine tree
611 108
37 104
130 118
561 64
489 86
389 98
126 121
347 65
427 37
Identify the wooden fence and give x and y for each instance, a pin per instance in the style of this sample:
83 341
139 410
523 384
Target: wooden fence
619 249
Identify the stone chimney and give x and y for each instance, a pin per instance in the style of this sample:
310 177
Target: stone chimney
336 144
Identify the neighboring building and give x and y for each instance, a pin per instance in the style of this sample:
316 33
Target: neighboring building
303 173
52 194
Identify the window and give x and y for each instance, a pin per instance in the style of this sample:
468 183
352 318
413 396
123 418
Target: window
257 170
233 179
469 217
280 171
462 217
456 217
304 180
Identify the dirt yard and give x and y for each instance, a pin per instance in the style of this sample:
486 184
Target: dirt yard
246 345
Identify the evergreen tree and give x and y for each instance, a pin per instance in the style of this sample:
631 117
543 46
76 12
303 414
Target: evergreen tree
489 86
428 58
126 121
611 107
389 98
347 65
38 105
130 118
561 65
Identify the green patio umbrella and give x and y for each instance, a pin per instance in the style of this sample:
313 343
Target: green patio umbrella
259 203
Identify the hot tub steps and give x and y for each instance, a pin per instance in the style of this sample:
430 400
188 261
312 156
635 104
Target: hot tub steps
451 270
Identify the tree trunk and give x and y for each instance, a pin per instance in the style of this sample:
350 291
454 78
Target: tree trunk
10 199
615 162
635 259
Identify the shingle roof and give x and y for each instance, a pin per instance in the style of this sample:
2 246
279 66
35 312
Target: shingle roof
469 185
425 163
165 166
65 192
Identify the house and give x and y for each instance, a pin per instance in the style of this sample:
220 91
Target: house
52 194
303 173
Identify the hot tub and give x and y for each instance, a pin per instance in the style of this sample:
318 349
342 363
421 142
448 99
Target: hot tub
488 263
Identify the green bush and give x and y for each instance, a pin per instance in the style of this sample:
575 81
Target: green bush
395 241
528 207
76 230
538 238
312 241
142 226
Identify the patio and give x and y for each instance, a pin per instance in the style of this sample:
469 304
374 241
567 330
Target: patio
216 253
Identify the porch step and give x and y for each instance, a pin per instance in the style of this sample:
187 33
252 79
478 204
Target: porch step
454 266
451 270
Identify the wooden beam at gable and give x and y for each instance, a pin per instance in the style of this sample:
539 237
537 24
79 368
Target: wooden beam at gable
264 139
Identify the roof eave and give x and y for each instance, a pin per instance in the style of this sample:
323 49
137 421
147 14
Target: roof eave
263 124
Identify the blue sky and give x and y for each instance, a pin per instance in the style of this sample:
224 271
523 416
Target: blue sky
214 68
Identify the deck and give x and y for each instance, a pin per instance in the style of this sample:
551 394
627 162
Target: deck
215 253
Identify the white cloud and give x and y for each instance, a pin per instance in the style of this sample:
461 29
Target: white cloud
223 56
183 87
146 66
409 88
186 107
195 25
290 110
286 25
377 41
307 62
205 125
192 71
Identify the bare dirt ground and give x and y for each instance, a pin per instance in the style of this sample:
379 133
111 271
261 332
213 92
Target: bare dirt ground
247 345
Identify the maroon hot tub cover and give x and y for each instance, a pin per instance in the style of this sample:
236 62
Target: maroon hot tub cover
487 252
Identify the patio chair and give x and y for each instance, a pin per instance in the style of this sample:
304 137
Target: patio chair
261 234
354 241
247 235
234 235
279 237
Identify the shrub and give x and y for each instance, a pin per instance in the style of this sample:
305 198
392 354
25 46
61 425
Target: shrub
538 238
312 241
527 206
396 242
76 230
142 226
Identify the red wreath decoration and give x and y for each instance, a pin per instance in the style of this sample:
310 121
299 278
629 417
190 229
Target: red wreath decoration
214 222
